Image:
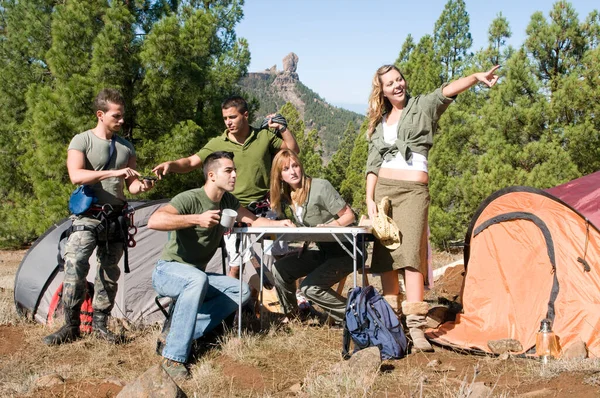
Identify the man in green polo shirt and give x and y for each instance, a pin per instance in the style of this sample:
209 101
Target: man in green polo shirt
253 149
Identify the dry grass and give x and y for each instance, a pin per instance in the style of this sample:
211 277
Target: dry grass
9 263
280 361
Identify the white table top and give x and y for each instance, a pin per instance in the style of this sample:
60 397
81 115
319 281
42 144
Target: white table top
313 234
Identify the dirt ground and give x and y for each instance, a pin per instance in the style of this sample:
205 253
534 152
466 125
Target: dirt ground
279 362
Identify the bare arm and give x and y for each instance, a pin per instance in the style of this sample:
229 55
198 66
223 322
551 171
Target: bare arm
289 141
244 215
346 217
370 195
464 83
79 175
167 218
181 166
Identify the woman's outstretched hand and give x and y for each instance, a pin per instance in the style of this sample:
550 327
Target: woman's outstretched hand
489 78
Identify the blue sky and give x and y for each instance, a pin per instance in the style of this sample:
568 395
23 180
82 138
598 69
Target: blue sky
340 43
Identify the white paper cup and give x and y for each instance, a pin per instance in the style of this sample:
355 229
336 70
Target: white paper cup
228 217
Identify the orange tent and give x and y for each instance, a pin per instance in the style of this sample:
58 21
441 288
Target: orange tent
529 255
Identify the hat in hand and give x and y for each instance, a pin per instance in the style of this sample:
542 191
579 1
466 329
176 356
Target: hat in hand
384 228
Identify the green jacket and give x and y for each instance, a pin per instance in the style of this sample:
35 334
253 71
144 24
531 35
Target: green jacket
416 127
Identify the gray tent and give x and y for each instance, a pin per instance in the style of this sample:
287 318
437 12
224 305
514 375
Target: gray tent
38 278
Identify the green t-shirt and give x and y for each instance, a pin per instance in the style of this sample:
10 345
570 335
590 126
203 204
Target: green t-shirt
96 151
196 245
252 160
322 205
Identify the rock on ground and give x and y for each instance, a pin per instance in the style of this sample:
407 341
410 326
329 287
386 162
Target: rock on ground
504 345
154 383
49 380
577 350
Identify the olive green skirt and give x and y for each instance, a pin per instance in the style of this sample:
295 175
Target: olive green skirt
410 207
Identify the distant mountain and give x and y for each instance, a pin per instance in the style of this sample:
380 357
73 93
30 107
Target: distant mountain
361 109
273 89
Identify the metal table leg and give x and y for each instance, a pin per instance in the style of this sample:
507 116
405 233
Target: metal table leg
241 277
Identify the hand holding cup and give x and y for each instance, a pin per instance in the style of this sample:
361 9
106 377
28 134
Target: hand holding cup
228 217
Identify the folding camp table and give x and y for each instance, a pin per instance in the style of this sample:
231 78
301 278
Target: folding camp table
357 236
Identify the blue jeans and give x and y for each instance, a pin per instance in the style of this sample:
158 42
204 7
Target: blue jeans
203 301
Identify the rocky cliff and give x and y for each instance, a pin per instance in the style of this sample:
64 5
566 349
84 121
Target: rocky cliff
273 89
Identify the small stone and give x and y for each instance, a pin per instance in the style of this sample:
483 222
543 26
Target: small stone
577 350
154 382
115 381
296 388
504 345
479 390
49 380
365 361
363 364
434 363
447 368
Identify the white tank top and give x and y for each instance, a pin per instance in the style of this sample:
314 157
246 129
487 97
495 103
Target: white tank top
418 161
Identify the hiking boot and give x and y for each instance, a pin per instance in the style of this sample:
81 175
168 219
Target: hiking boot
416 322
101 330
70 330
177 370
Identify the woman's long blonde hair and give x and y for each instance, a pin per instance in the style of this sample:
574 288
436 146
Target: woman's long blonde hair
280 190
378 104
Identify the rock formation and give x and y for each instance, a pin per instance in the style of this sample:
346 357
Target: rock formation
290 63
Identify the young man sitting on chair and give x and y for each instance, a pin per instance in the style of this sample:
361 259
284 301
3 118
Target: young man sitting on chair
203 299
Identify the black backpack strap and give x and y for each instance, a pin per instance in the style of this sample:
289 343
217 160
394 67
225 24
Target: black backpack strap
59 258
122 224
346 343
223 255
110 151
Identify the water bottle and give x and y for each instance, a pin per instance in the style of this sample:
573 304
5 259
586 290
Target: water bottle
546 345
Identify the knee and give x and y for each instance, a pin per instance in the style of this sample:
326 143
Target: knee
75 272
279 273
112 273
308 291
198 280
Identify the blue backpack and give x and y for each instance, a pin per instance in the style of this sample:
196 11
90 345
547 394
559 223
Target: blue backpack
370 321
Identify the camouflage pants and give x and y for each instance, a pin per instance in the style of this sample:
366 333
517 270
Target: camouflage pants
79 249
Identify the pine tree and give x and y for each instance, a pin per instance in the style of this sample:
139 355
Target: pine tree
174 62
591 29
423 70
337 168
452 38
494 139
558 46
498 32
575 108
311 152
353 187
407 47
